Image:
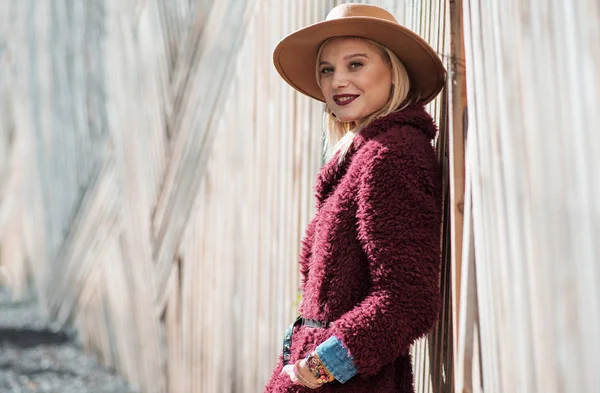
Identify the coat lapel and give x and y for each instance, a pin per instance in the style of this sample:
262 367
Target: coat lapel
331 173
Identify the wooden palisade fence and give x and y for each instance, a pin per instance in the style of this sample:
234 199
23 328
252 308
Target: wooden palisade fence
156 178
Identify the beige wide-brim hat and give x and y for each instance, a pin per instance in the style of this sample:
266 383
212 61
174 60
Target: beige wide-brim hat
295 56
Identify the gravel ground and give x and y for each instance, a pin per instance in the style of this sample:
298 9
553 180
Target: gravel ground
35 359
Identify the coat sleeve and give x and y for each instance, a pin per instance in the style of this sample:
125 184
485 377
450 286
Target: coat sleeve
399 215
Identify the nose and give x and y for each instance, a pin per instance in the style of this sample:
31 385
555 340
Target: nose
339 80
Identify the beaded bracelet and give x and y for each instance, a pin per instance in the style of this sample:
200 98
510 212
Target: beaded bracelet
317 368
304 381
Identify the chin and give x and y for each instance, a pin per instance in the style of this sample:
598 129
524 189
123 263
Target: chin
346 119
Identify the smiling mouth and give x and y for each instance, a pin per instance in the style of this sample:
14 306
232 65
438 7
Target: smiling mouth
344 99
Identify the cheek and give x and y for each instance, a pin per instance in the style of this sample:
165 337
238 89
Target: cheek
325 86
381 92
325 91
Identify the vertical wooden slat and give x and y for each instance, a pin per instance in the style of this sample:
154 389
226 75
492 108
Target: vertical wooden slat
456 150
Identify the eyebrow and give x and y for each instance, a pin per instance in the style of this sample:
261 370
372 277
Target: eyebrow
349 57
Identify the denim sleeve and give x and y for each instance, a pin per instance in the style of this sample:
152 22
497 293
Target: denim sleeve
337 359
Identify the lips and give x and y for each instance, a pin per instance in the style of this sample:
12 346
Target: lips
344 99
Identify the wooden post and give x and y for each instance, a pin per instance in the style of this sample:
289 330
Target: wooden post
457 137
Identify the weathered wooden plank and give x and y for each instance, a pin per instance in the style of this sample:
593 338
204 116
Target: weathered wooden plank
136 185
465 336
457 106
195 134
92 229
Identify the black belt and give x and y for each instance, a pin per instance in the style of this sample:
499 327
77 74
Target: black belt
287 337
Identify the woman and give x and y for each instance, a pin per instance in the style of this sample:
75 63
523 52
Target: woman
370 257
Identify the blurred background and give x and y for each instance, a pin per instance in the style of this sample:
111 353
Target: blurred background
156 178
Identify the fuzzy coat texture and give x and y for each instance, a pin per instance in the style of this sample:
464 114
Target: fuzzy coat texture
370 258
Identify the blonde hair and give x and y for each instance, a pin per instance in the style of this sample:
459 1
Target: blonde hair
339 135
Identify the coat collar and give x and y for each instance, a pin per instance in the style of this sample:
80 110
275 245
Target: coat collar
331 173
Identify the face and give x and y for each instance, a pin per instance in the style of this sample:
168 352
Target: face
355 79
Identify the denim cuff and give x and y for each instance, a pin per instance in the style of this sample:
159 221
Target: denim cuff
337 359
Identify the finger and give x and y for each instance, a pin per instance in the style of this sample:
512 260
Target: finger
287 369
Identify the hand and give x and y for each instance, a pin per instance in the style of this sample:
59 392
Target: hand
308 379
289 370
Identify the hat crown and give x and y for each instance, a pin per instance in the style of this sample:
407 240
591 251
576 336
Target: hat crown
360 10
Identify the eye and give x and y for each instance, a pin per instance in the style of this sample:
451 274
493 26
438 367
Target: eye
326 70
355 65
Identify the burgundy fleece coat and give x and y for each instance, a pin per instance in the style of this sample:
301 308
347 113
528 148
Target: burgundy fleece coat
370 258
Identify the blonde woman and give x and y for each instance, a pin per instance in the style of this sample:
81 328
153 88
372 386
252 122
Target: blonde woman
370 257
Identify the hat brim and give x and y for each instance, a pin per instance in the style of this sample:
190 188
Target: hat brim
295 56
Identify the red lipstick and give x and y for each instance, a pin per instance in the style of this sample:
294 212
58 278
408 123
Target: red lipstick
344 99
